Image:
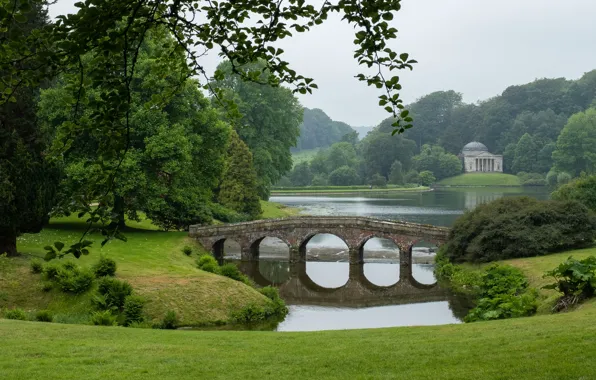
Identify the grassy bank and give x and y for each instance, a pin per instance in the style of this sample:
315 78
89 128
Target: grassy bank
544 347
345 190
152 261
481 179
273 210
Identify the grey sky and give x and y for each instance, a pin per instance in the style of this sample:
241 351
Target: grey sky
476 47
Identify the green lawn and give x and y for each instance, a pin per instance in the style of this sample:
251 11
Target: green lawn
273 210
304 155
481 179
151 260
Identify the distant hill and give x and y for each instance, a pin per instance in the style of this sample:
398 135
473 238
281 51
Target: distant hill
362 131
319 131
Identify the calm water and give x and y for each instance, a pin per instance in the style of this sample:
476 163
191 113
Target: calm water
323 295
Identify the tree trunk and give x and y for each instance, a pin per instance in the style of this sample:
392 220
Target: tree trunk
8 245
118 209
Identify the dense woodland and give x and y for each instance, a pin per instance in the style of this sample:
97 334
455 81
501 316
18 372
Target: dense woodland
544 129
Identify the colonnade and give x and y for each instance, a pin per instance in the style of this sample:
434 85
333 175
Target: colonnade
484 164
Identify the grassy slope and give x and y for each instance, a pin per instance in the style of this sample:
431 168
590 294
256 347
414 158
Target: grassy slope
273 210
151 261
482 179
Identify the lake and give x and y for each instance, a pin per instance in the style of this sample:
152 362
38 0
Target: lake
323 295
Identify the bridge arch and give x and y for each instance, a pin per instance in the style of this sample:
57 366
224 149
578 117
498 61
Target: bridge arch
304 240
254 245
218 247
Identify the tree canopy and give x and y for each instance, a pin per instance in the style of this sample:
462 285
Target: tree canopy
319 131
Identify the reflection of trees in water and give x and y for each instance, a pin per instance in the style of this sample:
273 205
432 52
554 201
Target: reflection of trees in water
275 271
460 305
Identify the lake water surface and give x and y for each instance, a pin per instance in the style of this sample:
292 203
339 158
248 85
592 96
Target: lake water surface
321 306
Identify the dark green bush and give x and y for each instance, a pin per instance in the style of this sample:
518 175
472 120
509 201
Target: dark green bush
582 189
575 279
519 227
36 266
275 310
104 267
133 310
231 270
112 294
47 286
50 270
44 316
76 281
208 263
170 321
103 318
503 293
17 314
70 266
187 250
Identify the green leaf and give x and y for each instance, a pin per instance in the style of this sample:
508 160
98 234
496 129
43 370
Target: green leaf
388 16
59 245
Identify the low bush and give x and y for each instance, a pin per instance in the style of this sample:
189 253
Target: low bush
103 318
532 179
112 294
582 189
503 293
133 310
50 270
75 281
47 286
275 310
208 263
575 279
104 267
17 314
231 270
519 227
44 316
187 250
170 321
36 266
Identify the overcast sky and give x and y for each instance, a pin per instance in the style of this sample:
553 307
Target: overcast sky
476 47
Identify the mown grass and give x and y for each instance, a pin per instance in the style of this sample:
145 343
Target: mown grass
481 179
545 347
152 261
273 210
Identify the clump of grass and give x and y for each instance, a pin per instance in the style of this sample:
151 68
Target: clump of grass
36 266
103 318
44 316
18 314
104 267
187 250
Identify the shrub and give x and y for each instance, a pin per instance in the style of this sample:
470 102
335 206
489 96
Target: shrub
104 267
582 190
170 321
44 316
576 279
208 263
76 281
70 266
563 178
426 178
36 266
531 179
103 318
133 310
519 227
17 314
187 250
50 271
231 270
504 293
46 286
112 294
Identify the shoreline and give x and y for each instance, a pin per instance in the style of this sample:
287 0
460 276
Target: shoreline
350 192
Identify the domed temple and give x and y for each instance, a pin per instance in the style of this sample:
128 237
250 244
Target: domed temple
477 158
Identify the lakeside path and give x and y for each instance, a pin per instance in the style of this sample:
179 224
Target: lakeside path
307 191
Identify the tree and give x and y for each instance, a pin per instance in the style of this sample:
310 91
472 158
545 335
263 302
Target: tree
319 131
526 155
351 137
28 182
396 176
426 178
576 145
378 180
340 154
344 176
238 190
319 180
436 160
269 125
380 150
301 174
582 189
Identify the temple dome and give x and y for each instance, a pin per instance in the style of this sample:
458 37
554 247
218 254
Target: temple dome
474 146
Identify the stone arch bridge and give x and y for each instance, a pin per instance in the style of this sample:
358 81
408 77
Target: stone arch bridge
296 233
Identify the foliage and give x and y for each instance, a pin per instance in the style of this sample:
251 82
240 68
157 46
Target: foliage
437 161
526 155
69 277
44 316
133 309
396 175
379 150
301 175
319 180
275 310
238 189
582 190
576 145
519 227
426 178
231 270
319 131
36 266
344 176
575 279
563 178
531 179
103 318
208 263
104 267
170 321
378 180
187 250
16 313
412 176
111 294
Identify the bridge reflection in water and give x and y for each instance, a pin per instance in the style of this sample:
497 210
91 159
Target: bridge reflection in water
297 288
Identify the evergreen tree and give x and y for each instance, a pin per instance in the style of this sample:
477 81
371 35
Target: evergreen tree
396 177
238 189
28 183
526 155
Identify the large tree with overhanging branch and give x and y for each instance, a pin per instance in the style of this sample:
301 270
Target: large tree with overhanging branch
242 31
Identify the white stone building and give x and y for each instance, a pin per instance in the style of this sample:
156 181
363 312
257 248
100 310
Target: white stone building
477 158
